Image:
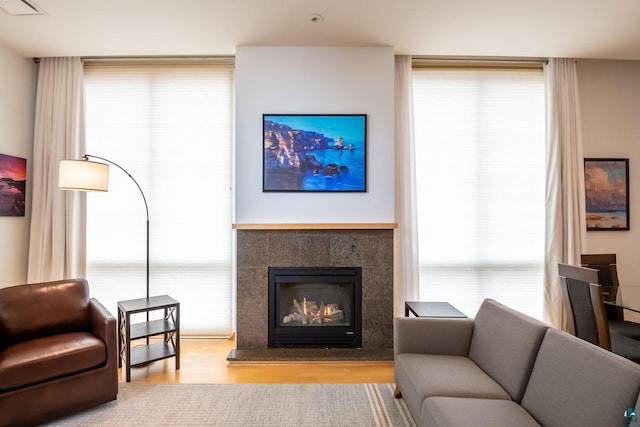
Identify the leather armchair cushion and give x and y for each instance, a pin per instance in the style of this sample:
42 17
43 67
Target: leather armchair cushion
41 309
49 357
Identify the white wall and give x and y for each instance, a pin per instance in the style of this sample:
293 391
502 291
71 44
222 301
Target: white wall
610 111
338 80
17 86
320 80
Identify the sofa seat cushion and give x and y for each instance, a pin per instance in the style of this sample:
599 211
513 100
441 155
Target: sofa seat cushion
455 376
419 376
49 357
456 412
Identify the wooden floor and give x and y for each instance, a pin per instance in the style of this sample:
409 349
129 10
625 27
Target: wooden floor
203 360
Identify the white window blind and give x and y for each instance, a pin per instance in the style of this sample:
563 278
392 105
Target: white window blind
480 143
170 126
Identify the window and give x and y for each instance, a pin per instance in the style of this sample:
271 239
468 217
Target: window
170 126
480 174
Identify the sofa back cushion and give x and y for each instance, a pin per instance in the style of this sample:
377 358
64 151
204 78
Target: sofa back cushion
40 309
504 344
576 383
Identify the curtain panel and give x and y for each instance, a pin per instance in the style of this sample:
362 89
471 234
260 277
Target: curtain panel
57 234
406 243
565 228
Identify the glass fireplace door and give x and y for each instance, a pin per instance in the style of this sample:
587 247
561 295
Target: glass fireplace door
314 304
315 307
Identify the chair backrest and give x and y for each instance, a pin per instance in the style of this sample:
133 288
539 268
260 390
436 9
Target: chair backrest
584 304
606 265
607 270
597 259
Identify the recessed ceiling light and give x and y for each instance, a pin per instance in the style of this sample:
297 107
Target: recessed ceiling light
19 7
315 18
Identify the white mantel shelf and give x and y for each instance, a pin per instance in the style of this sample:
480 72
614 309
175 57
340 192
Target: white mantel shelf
319 226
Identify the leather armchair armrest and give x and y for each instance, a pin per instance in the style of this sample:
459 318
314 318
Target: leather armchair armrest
427 335
103 324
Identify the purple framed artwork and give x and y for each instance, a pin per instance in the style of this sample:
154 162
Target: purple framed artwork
13 180
607 194
314 152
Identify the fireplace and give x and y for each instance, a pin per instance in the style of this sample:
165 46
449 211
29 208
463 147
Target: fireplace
258 249
315 307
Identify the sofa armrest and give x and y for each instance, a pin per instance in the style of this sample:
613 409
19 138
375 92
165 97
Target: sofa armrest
428 335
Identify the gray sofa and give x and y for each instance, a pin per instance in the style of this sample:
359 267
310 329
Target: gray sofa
504 368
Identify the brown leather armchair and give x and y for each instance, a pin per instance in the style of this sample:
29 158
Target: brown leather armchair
58 352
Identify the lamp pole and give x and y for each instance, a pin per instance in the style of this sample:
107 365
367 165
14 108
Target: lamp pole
146 206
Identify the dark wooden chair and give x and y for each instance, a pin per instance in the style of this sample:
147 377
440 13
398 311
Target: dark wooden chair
606 265
584 304
586 317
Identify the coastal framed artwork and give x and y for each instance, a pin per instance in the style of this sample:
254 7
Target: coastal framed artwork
314 153
607 194
13 180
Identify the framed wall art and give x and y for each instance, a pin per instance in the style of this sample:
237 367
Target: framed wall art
607 194
314 152
13 180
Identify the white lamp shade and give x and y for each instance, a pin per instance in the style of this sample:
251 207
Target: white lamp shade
83 175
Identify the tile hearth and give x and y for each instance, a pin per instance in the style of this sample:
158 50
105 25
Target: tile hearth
310 355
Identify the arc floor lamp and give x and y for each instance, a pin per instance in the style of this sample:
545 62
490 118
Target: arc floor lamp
87 175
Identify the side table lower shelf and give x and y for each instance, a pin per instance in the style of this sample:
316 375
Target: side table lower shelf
142 354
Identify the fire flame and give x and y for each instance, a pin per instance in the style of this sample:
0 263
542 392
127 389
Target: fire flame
310 313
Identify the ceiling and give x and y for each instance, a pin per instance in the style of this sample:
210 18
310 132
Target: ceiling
606 29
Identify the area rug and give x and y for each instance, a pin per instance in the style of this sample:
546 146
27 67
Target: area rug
281 405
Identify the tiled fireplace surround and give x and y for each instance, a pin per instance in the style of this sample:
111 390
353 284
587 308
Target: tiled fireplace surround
258 249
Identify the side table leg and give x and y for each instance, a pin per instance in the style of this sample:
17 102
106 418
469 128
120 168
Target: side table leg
178 336
128 348
119 338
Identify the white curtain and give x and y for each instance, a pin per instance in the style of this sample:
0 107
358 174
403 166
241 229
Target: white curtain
565 229
406 243
56 246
